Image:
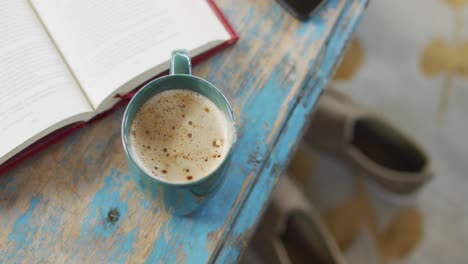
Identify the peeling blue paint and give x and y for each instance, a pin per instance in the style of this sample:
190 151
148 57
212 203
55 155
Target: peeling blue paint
23 231
160 250
99 146
54 222
146 204
123 248
164 252
70 140
5 182
107 198
250 16
89 160
127 245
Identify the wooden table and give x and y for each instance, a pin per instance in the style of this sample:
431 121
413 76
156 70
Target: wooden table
76 202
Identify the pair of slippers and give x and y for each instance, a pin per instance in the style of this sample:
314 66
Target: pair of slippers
344 129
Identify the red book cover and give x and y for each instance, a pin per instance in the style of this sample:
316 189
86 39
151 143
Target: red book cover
61 133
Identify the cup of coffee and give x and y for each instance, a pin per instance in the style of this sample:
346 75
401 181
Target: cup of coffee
178 133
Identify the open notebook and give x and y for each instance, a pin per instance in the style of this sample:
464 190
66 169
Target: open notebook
66 61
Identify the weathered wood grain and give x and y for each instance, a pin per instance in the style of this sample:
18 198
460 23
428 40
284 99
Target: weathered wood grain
61 206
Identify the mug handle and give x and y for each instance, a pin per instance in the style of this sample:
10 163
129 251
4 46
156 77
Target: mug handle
180 62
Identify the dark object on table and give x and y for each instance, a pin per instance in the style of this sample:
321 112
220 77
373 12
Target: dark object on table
301 9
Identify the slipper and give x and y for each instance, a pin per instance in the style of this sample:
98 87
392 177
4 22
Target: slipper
387 155
291 231
303 241
301 235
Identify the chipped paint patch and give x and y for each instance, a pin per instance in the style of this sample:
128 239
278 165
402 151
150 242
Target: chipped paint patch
107 198
22 232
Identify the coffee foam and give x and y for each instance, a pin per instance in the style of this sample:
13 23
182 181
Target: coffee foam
180 136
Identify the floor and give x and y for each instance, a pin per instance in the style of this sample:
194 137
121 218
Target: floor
410 67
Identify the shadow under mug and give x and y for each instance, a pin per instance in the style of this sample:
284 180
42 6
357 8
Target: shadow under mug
177 198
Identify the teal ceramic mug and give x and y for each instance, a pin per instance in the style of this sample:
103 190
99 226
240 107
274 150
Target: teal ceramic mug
177 198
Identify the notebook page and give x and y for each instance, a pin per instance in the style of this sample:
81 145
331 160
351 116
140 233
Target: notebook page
115 45
37 92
